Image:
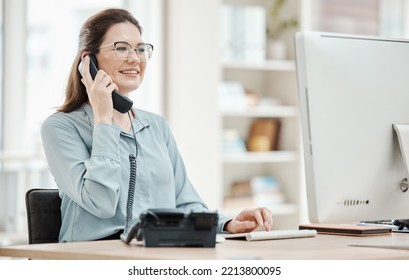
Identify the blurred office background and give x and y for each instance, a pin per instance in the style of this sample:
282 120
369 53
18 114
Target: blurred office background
222 73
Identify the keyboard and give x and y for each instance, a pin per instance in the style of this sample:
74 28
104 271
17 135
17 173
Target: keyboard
386 223
271 235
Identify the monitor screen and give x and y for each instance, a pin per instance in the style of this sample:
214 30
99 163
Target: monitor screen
352 89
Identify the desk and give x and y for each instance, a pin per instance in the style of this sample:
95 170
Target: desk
313 248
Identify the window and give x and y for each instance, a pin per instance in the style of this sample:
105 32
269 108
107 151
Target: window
346 16
51 47
366 17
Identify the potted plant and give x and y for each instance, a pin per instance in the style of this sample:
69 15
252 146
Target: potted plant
277 26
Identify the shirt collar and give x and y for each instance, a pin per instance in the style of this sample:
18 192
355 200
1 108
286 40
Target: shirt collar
140 122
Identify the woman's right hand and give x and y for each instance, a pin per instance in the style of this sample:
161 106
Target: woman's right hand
99 93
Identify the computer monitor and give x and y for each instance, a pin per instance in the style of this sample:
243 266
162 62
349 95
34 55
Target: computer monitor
352 90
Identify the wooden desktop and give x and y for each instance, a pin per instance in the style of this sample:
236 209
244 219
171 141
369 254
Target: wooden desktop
321 247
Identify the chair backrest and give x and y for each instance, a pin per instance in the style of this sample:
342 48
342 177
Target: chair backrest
43 215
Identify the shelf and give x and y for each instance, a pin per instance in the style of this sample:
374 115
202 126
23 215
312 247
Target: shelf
260 157
267 65
279 111
250 91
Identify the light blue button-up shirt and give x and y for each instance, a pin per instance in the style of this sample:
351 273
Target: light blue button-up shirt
90 165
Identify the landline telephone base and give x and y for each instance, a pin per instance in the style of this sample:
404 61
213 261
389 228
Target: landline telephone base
174 228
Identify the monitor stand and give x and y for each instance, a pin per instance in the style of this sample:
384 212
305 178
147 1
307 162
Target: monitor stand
402 132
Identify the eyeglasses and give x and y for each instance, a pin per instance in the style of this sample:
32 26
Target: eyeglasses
124 50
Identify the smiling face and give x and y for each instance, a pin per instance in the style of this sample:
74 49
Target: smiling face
126 74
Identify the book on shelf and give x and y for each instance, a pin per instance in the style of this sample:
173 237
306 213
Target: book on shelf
232 96
238 202
232 142
243 32
263 135
266 191
258 191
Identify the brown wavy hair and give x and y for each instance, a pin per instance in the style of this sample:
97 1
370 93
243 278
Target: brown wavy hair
90 38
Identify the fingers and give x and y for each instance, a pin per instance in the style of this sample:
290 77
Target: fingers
249 219
246 226
104 79
263 217
101 77
99 91
86 75
103 83
257 215
237 226
267 218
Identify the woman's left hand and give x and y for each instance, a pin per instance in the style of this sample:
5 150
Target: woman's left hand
249 219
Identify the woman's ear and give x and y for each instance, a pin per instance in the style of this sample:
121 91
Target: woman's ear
84 54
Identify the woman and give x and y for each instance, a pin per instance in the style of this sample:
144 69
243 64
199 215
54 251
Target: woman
87 143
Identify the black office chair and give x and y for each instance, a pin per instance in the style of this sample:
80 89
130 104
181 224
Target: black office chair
43 215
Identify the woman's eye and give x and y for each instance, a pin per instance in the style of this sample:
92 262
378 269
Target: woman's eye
121 49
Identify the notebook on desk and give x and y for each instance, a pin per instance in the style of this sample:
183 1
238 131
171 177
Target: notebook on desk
271 235
347 229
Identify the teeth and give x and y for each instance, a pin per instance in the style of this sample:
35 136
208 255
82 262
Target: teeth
129 72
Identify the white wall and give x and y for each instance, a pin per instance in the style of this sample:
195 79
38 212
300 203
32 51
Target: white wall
14 74
192 77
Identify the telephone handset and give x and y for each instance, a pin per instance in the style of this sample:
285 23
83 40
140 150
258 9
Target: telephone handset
121 103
